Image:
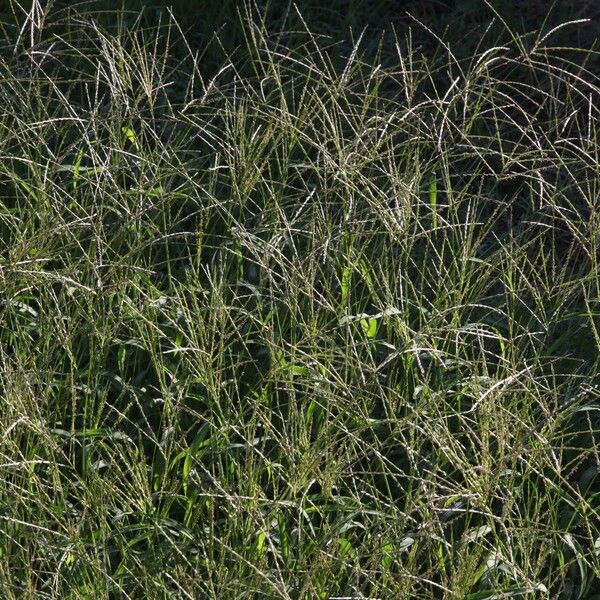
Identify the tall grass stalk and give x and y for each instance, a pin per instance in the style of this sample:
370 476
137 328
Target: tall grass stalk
321 322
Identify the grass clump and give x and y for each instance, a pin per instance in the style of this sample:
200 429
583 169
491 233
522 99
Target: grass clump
321 322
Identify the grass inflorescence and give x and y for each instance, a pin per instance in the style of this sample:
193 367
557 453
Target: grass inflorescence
317 321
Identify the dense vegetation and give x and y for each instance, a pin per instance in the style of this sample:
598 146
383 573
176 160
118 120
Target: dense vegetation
291 308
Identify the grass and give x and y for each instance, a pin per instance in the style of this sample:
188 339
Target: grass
317 321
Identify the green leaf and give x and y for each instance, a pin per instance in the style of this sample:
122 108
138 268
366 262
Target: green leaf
433 198
197 448
387 557
508 593
129 134
345 549
239 259
346 278
299 370
291 367
260 544
366 271
30 191
369 327
76 168
284 537
314 416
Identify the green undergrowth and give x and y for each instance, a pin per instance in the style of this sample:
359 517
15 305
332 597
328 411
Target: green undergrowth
320 323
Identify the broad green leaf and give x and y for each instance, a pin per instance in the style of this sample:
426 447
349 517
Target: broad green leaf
345 549
260 543
129 134
369 327
299 370
387 558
